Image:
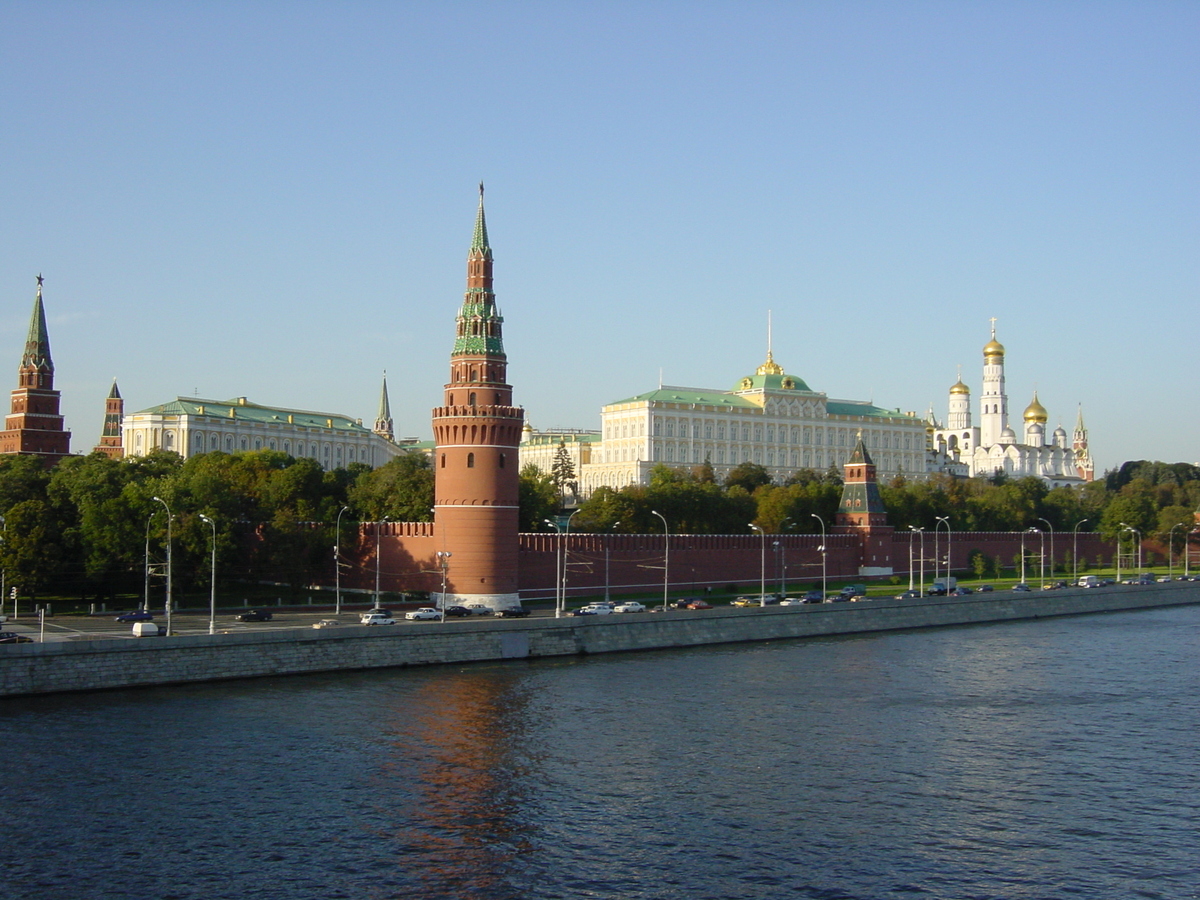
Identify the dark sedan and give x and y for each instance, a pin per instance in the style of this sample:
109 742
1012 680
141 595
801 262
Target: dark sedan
139 615
512 612
11 637
457 612
255 615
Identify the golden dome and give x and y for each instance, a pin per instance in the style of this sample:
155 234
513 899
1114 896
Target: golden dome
1035 412
960 388
770 367
993 348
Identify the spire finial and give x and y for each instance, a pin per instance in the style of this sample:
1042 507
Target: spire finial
993 321
480 239
769 334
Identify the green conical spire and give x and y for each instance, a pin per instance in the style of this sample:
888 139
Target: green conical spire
480 239
37 344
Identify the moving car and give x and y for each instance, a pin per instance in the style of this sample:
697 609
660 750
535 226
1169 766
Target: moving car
11 637
745 601
255 615
792 601
909 595
424 614
512 612
376 619
814 597
138 615
326 623
629 606
479 609
699 604
596 609
457 612
1021 587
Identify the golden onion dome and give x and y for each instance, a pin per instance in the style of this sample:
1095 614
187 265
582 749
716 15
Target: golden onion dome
1035 412
960 388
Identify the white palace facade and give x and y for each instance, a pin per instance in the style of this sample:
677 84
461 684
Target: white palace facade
770 418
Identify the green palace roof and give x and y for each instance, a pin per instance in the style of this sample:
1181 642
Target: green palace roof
242 409
856 408
772 382
684 395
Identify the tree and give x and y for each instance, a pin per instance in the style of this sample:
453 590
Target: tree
539 499
562 474
401 489
747 475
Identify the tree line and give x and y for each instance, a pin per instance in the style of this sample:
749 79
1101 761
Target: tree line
91 526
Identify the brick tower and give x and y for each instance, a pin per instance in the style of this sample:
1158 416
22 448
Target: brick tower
110 438
34 426
477 432
862 512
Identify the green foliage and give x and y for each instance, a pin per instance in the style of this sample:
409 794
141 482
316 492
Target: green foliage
747 475
562 474
401 490
539 499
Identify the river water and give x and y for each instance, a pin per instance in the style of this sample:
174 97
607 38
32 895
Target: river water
1042 759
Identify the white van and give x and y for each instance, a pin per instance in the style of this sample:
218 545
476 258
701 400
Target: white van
1089 581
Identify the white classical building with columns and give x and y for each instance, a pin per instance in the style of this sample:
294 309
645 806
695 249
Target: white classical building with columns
770 418
994 446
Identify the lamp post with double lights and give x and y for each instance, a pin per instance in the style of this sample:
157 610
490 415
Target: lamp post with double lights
942 520
337 561
920 532
666 555
1041 556
443 558
170 558
212 595
378 534
762 581
1050 529
824 550
1075 551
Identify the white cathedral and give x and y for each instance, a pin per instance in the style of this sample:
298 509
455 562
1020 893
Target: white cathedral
993 446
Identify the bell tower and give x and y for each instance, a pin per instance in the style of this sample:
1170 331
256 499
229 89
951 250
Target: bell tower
477 432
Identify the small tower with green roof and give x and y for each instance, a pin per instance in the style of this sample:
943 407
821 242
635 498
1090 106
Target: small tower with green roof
862 512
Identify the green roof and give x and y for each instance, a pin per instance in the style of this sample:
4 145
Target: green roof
856 408
241 409
561 437
781 382
684 395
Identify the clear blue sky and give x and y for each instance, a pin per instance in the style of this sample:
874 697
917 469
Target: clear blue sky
275 200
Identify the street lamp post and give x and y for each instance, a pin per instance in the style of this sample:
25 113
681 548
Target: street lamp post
170 561
212 597
1171 551
558 564
443 557
3 571
378 533
607 548
1041 556
942 520
1075 551
920 532
1023 533
337 562
824 574
666 555
566 559
1050 528
762 572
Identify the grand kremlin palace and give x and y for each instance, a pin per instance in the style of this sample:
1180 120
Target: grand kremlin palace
769 418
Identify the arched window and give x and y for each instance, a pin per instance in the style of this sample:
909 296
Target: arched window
502 460
471 399
470 460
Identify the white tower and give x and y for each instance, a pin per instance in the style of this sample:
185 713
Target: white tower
993 411
959 417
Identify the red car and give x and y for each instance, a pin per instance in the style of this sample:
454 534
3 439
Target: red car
699 604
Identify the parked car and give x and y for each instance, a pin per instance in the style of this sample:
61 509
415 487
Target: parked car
1021 587
326 623
512 612
699 604
376 619
629 606
255 615
424 614
139 615
457 612
12 637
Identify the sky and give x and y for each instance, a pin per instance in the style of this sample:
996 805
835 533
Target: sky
275 200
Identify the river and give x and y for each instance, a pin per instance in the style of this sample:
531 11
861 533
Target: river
1036 759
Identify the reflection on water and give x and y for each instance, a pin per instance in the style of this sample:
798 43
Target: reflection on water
1026 760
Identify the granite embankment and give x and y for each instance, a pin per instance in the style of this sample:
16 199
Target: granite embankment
102 664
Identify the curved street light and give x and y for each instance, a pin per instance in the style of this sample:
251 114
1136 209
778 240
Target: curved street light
666 555
170 561
1075 551
212 596
1050 528
824 550
942 520
762 582
337 561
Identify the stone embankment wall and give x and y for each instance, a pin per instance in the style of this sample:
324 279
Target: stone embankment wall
94 665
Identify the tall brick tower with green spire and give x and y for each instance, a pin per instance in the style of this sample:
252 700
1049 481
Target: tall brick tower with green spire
477 431
35 426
